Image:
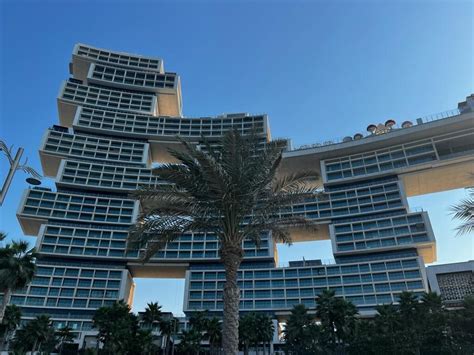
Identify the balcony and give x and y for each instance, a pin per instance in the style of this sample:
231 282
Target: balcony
74 93
382 233
59 143
85 54
162 131
95 176
38 207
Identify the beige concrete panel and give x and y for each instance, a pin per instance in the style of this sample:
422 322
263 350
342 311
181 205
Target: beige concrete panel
66 112
160 151
29 225
439 178
427 252
168 105
302 235
80 68
49 164
152 270
131 292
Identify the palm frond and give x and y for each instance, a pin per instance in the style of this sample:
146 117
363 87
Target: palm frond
231 191
464 211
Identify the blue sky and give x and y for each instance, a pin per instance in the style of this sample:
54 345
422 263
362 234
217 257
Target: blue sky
321 70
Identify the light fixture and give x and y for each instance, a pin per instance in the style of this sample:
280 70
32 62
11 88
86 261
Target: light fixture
389 123
33 181
371 128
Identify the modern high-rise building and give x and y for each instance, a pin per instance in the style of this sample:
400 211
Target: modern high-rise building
119 113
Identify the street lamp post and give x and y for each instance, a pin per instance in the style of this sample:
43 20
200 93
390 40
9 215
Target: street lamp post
15 165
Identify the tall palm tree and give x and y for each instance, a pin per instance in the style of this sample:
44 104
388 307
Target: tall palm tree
233 192
17 267
10 322
152 315
464 211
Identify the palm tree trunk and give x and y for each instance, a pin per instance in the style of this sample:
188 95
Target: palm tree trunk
8 339
61 346
6 297
4 346
231 256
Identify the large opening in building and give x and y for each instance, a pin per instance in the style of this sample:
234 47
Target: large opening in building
449 247
167 292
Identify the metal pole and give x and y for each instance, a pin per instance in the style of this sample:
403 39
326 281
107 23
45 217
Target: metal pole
11 173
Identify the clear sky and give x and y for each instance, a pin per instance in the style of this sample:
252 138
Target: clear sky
321 70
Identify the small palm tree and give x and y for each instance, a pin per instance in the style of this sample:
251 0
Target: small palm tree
436 335
247 333
431 302
152 315
410 316
42 333
17 268
337 318
10 322
168 328
387 324
115 325
190 342
198 321
233 192
264 330
302 335
37 335
65 335
464 211
142 342
213 333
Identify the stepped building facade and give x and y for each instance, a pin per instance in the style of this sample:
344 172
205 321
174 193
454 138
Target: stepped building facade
120 113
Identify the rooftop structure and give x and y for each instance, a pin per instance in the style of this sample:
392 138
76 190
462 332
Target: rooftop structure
119 114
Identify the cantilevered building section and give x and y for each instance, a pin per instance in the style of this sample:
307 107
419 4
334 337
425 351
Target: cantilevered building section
119 113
